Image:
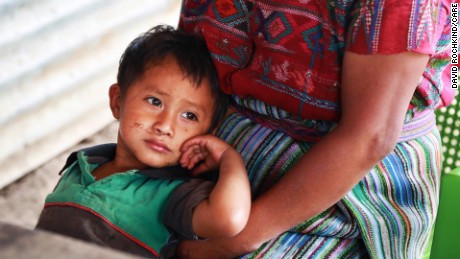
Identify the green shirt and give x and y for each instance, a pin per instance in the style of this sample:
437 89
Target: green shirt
134 203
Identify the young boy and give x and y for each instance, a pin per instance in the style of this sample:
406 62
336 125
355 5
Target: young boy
134 195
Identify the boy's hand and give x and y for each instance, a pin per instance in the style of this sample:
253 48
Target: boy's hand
207 148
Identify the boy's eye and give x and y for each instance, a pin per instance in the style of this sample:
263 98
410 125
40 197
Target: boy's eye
154 101
189 116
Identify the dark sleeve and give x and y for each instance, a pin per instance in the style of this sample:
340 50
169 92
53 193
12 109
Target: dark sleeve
178 215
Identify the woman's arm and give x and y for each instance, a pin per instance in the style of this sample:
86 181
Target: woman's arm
226 211
376 91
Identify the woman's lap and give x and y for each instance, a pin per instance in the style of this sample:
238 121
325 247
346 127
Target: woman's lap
296 245
396 203
389 212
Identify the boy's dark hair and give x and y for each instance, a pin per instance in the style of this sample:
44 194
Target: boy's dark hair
189 51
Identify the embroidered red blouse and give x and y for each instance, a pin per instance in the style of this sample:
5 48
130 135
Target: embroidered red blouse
289 53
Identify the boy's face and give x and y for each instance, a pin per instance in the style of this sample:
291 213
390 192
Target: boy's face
157 114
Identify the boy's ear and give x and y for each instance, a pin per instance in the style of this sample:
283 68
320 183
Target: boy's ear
115 100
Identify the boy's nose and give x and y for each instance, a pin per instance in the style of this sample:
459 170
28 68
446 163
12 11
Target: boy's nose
164 125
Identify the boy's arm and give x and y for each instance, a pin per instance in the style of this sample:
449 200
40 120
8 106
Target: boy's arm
225 212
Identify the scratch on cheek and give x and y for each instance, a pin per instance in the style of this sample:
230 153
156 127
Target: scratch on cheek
138 125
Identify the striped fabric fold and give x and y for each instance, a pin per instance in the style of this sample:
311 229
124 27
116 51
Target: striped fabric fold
387 215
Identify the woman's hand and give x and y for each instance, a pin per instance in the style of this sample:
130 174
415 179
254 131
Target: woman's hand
196 250
218 248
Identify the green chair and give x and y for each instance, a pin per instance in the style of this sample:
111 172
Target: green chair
448 120
445 238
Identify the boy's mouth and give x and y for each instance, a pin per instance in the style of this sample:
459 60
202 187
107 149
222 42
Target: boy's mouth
157 146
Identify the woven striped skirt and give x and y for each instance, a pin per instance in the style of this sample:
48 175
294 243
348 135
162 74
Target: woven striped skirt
389 214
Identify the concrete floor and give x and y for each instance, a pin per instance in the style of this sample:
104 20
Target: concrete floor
22 201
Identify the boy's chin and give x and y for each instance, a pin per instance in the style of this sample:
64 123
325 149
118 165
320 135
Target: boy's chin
161 165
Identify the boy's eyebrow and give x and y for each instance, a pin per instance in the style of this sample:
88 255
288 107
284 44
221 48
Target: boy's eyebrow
196 106
160 92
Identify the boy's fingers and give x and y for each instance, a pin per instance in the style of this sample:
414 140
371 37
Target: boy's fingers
187 159
196 157
193 141
189 149
192 155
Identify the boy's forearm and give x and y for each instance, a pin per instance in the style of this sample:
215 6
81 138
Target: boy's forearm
233 184
226 211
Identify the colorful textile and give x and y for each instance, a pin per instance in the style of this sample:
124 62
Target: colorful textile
386 215
289 53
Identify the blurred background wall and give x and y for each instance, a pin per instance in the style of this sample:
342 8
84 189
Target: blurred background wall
57 60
